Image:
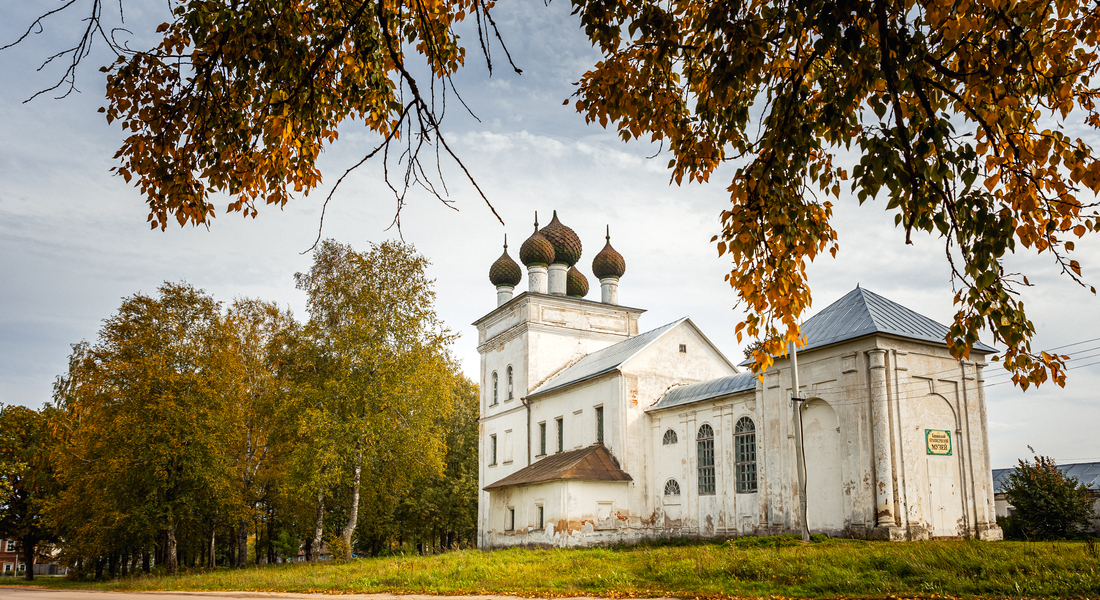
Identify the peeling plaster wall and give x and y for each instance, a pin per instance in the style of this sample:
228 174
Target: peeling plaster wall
538 335
869 404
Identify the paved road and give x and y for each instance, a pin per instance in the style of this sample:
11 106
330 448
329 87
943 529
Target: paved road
23 593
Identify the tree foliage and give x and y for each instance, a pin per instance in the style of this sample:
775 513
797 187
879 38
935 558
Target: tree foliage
189 434
1048 504
961 113
27 480
964 115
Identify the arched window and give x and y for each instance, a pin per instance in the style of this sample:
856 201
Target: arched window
495 385
672 488
706 460
509 382
670 437
744 455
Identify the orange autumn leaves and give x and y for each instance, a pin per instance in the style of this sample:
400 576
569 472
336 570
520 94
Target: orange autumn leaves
961 112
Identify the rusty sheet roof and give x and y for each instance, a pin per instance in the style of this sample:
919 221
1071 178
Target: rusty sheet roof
594 463
706 390
1087 473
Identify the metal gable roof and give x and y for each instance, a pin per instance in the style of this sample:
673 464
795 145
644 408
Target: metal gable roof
862 312
706 390
1086 473
605 360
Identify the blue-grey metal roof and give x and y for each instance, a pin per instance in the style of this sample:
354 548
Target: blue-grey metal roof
1087 473
862 312
606 360
706 390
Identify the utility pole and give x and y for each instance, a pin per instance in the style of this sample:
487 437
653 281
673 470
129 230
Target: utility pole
800 458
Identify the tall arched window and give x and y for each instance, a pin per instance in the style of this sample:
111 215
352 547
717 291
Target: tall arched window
670 437
509 382
744 455
672 488
706 460
495 386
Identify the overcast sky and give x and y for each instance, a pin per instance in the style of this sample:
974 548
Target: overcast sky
74 239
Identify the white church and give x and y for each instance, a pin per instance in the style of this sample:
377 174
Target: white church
594 432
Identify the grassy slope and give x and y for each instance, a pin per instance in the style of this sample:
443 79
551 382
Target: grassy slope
747 567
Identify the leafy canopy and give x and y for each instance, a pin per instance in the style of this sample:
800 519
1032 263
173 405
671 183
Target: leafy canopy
1048 503
962 112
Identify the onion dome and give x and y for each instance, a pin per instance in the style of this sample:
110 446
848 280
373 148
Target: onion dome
505 271
567 246
608 263
537 250
576 284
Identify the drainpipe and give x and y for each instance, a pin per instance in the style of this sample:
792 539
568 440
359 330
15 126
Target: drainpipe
800 457
527 405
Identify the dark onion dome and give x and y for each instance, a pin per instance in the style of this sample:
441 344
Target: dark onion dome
576 284
505 271
567 246
608 263
537 250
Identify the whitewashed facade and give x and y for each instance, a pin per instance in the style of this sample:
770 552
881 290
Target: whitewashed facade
592 432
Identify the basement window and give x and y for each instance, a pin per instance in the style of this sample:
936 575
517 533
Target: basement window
683 348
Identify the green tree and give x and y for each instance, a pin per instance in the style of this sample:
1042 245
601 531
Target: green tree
145 428
379 369
25 448
1048 504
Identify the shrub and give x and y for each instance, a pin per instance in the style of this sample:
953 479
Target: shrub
1049 505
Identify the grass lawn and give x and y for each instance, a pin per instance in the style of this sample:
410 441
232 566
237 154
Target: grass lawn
743 567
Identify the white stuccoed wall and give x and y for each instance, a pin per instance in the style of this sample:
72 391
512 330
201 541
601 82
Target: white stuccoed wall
870 401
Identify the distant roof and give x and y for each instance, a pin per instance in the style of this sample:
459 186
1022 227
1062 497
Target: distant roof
1087 473
862 312
705 390
594 463
605 360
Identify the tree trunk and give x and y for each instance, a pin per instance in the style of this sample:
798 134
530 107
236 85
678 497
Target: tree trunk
170 551
99 568
145 559
242 544
213 532
353 514
318 529
270 544
28 546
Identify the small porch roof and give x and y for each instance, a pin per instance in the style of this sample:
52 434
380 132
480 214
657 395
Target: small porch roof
594 463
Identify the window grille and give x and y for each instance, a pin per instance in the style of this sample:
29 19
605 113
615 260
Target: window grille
561 434
542 439
706 460
509 382
672 488
495 386
493 449
744 452
599 424
670 437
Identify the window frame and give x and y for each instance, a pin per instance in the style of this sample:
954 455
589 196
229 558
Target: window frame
599 425
666 441
510 396
704 457
675 484
744 452
496 385
561 433
542 438
510 525
540 521
492 449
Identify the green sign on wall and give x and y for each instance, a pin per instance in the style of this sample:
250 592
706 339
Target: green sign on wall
937 442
